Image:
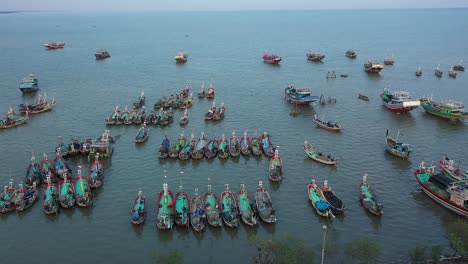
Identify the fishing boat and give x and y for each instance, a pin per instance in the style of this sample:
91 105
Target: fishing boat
47 168
458 67
397 148
61 165
96 173
167 118
29 84
197 213
363 97
255 145
219 113
418 72
113 117
138 212
165 209
449 110
33 173
212 208
66 195
212 148
337 205
182 208
25 198
11 120
102 54
200 147
132 116
398 102
369 198
201 91
83 195
143 134
351 54
275 170
74 147
452 170
314 56
123 116
7 198
175 151
187 150
140 101
438 72
210 92
389 60
234 145
54 45
313 154
301 96
159 116
40 105
85 146
373 67
453 197
223 150
50 203
245 145
331 75
318 201
184 104
327 125
211 111
267 146
164 148
271 58
229 208
264 204
181 57
160 103
246 207
184 119
452 73
102 146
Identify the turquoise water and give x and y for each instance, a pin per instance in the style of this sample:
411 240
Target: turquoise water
226 48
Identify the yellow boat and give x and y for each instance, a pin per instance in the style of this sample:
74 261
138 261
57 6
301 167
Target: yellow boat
181 57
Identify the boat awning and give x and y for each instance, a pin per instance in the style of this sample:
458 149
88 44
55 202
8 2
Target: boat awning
411 103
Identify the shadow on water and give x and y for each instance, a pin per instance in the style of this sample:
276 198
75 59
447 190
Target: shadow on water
398 163
68 212
269 228
274 185
250 230
183 233
138 229
86 212
198 235
51 218
165 235
216 231
232 232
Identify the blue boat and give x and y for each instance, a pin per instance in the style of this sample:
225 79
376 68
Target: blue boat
299 96
29 84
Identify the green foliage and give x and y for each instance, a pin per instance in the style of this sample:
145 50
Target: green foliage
417 254
436 251
457 245
285 250
458 237
362 250
169 257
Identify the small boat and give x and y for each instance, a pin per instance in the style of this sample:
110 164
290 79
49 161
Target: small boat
331 75
337 206
211 111
454 171
201 91
318 201
184 119
54 45
85 146
212 148
397 148
67 192
33 173
301 96
223 150
159 116
7 198
229 208
187 103
165 209
200 147
50 203
142 134
271 58
212 208
438 72
389 61
83 197
25 198
363 97
197 213
369 198
61 165
246 207
312 153
47 169
255 145
123 116
74 147
167 118
458 67
264 205
182 208
211 92
11 120
453 197
314 56
29 84
140 101
102 54
187 150
138 212
344 75
351 54
373 67
113 117
329 125
245 145
449 110
418 72
96 173
102 145
452 73
132 116
164 148
219 113
181 57
275 170
267 146
398 102
178 147
234 145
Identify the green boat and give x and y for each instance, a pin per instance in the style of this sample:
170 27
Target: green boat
449 110
182 208
212 208
138 213
50 202
229 208
174 152
83 197
7 198
67 193
246 207
29 84
223 150
165 209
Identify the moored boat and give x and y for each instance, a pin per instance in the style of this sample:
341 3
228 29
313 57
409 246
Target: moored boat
458 67
301 96
255 145
219 113
313 154
83 195
187 150
399 102
143 134
7 198
210 94
245 145
200 148
29 84
397 148
271 58
452 73
61 165
449 110
318 201
211 111
264 205
33 173
50 203
229 208
314 56
212 148
140 101
212 208
123 116
102 54
113 117
234 145
327 125
165 209
275 170
182 208
438 72
452 170
25 198
66 194
102 145
164 148
201 91
178 147
138 212
197 213
47 169
184 119
351 54
96 173
369 198
11 120
246 207
54 45
373 67
181 57
85 146
337 205
223 150
267 147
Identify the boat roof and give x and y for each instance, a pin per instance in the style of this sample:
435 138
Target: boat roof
401 94
452 104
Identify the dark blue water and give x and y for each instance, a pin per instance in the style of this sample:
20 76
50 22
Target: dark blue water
226 48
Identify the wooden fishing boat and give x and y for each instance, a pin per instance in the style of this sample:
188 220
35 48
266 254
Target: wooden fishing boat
418 72
314 56
363 97
397 148
181 57
197 213
389 60
85 146
83 197
318 156
50 203
160 103
211 111
184 119
62 149
96 173
267 146
54 45
301 96
47 169
337 206
369 198
255 145
182 208
186 152
212 148
234 145
143 134
140 101
452 170
140 118
165 209
452 111
113 117
138 212
131 117
318 201
10 120
245 145
264 205
40 105
351 54
61 165
188 103
102 54
211 92
229 208
158 116
164 148
373 67
7 198
398 102
33 173
223 150
150 118
458 67
453 197
327 125
246 207
212 208
201 91
271 58
275 170
200 148
452 73
167 118
74 147
177 148
123 116
66 195
25 198
438 72
219 113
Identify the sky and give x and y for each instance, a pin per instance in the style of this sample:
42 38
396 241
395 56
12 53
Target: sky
201 5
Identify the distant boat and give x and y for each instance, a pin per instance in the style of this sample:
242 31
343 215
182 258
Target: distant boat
300 96
373 67
11 120
418 72
181 57
140 101
102 54
438 72
363 97
54 45
452 73
458 67
271 58
351 54
389 61
29 84
399 102
314 56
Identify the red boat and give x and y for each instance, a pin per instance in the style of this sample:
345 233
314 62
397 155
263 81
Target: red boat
102 54
138 213
54 45
84 197
267 146
275 171
165 209
271 58
182 208
211 92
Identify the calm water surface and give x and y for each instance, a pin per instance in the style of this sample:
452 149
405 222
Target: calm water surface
226 48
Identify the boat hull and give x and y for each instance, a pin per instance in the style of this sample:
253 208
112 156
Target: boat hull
398 108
